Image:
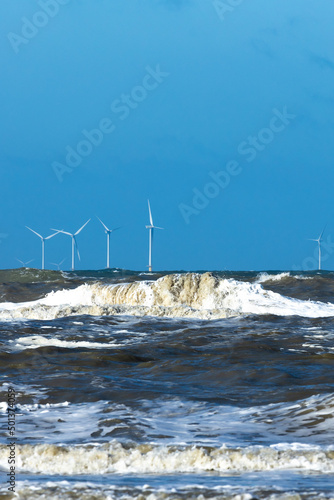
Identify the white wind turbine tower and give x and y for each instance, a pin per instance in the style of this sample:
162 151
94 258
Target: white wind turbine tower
74 241
108 233
318 240
151 228
43 242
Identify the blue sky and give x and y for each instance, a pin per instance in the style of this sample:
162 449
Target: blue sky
220 114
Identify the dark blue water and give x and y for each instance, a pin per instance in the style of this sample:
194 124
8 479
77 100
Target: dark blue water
168 386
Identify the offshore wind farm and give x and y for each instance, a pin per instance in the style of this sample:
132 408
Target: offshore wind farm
151 227
75 246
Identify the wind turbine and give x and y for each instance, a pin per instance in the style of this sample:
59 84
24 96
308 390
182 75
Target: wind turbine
318 240
74 241
151 227
58 265
43 241
24 264
108 233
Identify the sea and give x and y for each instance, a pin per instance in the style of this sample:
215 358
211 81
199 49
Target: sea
118 384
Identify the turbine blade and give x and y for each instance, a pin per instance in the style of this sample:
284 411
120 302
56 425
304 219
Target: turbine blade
322 232
156 227
61 231
34 232
52 235
105 227
20 261
115 229
149 209
85 224
76 246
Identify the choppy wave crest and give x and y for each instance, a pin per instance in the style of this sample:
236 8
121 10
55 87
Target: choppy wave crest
265 277
147 458
192 295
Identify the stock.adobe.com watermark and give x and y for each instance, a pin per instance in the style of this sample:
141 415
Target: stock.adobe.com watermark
11 445
121 109
223 7
248 149
30 27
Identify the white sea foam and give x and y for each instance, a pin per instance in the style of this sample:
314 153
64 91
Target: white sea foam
174 422
167 490
35 406
146 458
189 295
23 389
60 422
266 277
308 421
36 341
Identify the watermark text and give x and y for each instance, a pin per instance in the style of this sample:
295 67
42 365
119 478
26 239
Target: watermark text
11 445
121 109
31 27
248 150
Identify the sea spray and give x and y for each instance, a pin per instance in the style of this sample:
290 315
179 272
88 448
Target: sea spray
191 295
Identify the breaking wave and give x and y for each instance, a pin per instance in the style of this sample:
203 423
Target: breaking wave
191 295
147 458
266 277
